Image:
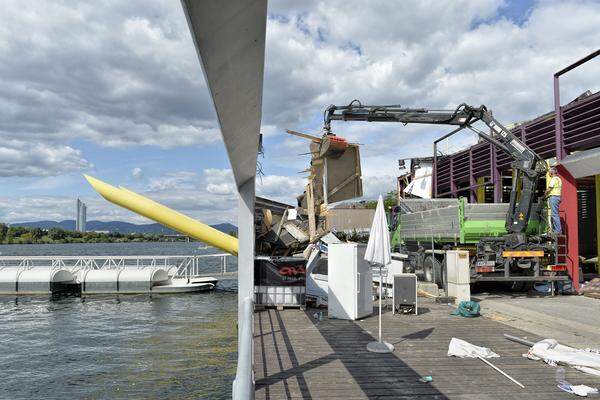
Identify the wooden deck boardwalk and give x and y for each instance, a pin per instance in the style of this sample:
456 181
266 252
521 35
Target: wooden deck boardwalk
297 356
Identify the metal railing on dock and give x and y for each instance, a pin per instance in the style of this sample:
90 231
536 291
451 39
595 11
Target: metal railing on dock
184 266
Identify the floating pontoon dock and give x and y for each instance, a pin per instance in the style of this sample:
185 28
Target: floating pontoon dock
111 274
298 356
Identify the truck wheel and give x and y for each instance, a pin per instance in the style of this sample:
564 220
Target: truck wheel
440 273
427 269
431 265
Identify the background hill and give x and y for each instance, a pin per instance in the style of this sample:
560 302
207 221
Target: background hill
115 226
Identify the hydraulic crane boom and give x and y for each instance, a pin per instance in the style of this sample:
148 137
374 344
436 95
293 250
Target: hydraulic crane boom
525 161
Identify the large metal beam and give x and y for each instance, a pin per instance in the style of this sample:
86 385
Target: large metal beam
230 40
229 36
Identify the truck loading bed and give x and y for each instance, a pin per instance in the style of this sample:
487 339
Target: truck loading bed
451 220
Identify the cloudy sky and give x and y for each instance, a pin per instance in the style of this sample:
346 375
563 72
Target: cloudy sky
114 89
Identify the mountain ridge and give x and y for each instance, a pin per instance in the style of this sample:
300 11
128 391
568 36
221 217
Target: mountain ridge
115 226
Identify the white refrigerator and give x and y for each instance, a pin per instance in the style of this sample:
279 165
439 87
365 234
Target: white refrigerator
350 291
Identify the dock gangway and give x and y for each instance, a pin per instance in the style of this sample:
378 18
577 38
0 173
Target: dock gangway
181 266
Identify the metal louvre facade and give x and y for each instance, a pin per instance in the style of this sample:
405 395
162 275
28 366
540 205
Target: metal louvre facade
456 173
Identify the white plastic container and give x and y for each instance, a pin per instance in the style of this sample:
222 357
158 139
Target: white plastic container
280 281
284 296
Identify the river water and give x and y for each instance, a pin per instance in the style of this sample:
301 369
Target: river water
117 347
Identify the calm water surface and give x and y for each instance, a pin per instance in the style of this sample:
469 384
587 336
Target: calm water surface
117 347
106 249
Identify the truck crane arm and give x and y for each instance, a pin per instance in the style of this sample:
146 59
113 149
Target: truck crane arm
525 161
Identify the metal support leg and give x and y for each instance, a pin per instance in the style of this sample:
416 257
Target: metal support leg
243 386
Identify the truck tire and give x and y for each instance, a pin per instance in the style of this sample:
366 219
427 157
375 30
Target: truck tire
440 273
433 267
427 269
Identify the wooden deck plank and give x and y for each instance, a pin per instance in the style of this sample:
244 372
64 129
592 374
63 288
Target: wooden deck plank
297 356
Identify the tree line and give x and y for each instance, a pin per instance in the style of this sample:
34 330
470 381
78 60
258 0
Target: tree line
390 200
26 235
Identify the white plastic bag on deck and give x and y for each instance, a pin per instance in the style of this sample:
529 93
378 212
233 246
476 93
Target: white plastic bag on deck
555 353
462 349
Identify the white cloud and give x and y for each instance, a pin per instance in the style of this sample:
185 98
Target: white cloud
320 53
174 181
137 173
269 130
117 74
126 74
215 175
116 132
20 158
373 186
280 188
219 181
328 52
56 182
276 187
220 188
36 208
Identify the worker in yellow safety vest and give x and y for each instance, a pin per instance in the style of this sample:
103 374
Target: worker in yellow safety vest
553 192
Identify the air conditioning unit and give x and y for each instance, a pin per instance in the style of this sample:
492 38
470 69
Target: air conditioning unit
405 294
458 275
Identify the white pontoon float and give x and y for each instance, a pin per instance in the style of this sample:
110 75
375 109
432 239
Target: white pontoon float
110 274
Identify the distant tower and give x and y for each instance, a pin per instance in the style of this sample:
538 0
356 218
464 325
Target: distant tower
78 220
81 216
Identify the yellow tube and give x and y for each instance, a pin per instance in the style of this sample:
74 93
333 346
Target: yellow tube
157 212
167 210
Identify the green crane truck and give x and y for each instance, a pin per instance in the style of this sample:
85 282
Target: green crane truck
424 228
505 241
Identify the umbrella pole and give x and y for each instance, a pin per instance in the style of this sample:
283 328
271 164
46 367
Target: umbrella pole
378 252
502 372
380 291
379 346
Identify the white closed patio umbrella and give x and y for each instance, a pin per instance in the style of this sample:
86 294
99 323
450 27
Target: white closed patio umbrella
378 252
